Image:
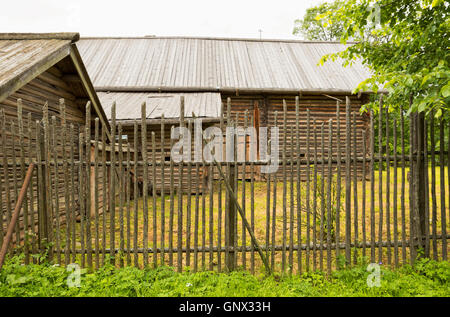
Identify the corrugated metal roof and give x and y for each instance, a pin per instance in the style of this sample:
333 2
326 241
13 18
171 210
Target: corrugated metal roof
216 64
128 105
19 56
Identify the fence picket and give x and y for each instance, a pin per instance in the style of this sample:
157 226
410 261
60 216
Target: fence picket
402 195
323 195
308 187
154 209
355 193
330 180
394 210
442 184
96 195
72 193
388 186
347 183
380 180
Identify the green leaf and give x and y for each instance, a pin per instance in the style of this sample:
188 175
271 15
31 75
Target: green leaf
445 91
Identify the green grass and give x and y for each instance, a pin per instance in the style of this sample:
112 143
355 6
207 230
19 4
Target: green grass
425 278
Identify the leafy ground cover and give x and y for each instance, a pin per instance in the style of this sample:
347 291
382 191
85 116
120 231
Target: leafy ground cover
425 278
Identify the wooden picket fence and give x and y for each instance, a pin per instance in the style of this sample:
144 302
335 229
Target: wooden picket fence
91 203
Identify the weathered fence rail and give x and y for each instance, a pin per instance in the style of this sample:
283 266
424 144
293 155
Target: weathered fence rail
330 202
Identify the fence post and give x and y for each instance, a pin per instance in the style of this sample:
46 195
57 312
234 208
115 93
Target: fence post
420 214
42 190
231 207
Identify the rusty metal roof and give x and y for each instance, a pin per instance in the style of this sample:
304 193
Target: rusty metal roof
215 64
128 105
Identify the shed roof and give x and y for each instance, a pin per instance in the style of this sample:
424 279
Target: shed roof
24 56
216 64
205 105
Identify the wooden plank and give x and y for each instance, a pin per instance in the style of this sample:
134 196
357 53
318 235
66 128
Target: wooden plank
330 180
67 206
412 183
15 181
23 173
308 186
72 190
121 177
355 192
338 179
274 211
211 213
96 194
180 198
105 195
81 198
402 195
363 192
172 205
292 203
283 252
163 197
299 200
395 211
322 195
196 215
219 202
388 186
315 194
427 190
380 180
433 188
31 188
57 216
188 207
112 193
88 196
230 214
442 184
154 211
145 181
204 224
252 209
347 183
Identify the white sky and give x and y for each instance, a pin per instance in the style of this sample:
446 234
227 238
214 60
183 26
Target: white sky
230 18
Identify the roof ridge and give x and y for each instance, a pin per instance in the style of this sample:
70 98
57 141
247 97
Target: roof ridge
208 38
70 36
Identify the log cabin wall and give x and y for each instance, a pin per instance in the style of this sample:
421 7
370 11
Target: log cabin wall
322 109
57 82
162 153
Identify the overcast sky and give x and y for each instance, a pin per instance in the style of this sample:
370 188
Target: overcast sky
230 18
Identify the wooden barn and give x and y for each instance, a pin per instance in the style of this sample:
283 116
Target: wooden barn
37 72
256 74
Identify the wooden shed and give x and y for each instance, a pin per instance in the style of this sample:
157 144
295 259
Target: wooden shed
256 74
38 70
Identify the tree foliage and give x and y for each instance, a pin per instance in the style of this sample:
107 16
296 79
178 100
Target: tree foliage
406 45
317 29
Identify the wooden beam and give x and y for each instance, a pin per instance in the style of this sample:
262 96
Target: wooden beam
73 37
228 90
82 72
71 78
